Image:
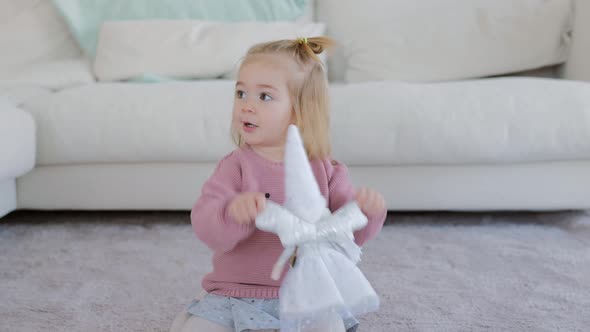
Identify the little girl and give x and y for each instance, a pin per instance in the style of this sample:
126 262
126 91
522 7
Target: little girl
279 83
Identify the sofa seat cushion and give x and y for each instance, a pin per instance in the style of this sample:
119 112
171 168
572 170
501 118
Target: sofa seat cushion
503 120
126 122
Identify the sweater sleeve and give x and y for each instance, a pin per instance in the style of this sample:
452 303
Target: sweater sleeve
342 192
209 216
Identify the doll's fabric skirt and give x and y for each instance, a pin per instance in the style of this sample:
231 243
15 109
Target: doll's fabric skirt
322 282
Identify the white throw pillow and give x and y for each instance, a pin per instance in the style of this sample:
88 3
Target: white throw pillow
433 40
184 49
32 32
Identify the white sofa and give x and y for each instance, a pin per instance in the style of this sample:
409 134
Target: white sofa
509 143
17 151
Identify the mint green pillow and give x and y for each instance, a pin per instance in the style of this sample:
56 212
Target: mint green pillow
84 17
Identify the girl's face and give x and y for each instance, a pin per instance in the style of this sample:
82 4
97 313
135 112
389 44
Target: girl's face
262 104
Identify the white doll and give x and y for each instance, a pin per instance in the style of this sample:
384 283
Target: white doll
325 280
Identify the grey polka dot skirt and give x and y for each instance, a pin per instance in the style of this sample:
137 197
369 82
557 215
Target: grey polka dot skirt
244 314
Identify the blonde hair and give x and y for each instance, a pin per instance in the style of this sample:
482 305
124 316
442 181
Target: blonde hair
309 91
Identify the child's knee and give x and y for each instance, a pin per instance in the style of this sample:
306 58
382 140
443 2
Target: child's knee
179 321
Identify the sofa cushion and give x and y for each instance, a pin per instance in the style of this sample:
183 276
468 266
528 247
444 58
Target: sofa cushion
504 120
433 40
126 122
185 49
32 32
577 66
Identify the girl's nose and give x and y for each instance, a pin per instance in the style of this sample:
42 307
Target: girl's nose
248 109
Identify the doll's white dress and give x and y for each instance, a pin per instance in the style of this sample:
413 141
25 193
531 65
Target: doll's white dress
324 282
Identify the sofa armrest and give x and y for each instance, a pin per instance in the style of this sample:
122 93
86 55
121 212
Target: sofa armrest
17 141
577 66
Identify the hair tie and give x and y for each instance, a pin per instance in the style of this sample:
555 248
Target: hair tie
302 40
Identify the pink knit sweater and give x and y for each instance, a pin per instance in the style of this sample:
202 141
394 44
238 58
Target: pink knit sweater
243 255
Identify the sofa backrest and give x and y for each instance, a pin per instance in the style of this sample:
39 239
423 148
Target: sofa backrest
433 40
31 32
430 40
578 63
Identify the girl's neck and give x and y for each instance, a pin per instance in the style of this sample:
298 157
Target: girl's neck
271 153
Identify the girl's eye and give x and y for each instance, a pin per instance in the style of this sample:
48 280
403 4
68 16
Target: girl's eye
265 97
240 94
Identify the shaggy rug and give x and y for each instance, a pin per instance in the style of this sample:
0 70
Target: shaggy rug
134 271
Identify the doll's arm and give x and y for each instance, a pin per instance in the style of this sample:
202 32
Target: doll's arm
342 192
347 219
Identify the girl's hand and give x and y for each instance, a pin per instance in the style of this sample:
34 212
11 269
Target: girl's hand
245 207
370 201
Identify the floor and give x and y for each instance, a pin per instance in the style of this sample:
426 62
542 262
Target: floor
439 271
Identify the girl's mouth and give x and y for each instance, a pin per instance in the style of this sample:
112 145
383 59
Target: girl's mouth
249 127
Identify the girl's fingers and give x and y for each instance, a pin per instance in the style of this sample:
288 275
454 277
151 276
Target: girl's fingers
260 202
251 212
244 214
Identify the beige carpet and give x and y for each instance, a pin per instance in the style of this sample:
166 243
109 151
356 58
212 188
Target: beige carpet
124 271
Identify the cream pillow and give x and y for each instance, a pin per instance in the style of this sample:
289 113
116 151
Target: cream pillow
184 49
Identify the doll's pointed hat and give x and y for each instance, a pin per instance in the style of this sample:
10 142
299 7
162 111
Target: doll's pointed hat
302 193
